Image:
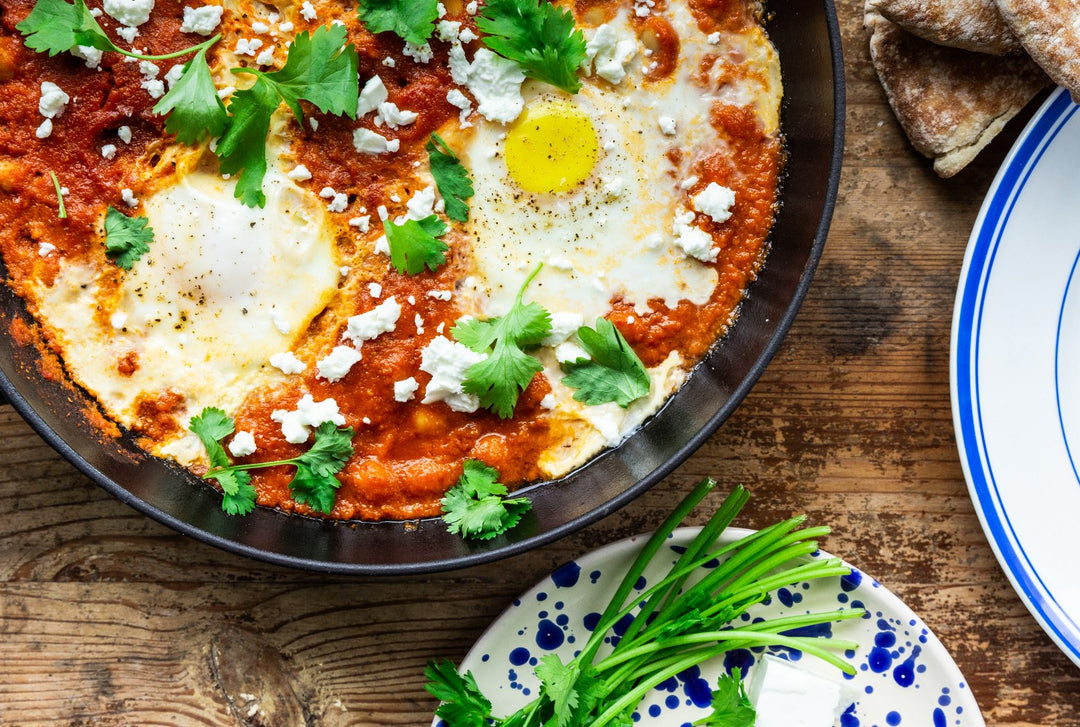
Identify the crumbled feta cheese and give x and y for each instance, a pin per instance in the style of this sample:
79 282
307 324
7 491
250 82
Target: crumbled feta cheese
45 248
286 27
201 20
457 98
224 93
287 363
714 38
495 82
260 27
389 62
266 58
245 47
419 323
242 444
154 87
367 141
313 123
279 322
715 201
307 10
124 132
440 294
374 290
344 270
688 182
395 197
667 125
371 95
88 53
108 151
459 64
693 240
383 214
472 7
44 130
569 352
419 53
296 425
148 69
467 35
339 202
327 192
563 325
173 75
394 117
128 33
381 319
548 402
405 389
337 363
448 30
299 173
129 198
53 100
614 188
129 12
362 223
422 204
608 54
447 361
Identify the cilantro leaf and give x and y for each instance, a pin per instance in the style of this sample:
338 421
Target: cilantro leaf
538 36
411 20
314 482
413 244
463 705
243 147
54 26
320 69
614 373
192 104
126 238
499 379
731 707
557 680
451 178
477 507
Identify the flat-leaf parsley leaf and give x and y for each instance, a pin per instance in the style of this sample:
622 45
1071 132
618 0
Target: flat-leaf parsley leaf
477 506
414 244
320 69
126 238
614 373
499 379
451 178
538 36
314 483
411 20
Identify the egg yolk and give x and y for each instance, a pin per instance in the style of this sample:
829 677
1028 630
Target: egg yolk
551 148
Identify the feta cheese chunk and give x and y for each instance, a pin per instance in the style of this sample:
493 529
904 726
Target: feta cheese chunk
447 361
287 363
785 695
608 54
129 12
694 241
367 141
336 365
405 389
201 20
495 83
242 444
715 201
381 319
53 100
371 95
296 425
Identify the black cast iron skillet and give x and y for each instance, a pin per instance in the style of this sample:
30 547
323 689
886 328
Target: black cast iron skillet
806 35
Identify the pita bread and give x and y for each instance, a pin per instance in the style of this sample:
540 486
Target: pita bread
974 25
1050 32
950 102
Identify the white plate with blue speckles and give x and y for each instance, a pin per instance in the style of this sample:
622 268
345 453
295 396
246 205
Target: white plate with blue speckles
1015 363
904 674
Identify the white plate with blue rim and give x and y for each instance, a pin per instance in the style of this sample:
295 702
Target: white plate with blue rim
904 675
1015 368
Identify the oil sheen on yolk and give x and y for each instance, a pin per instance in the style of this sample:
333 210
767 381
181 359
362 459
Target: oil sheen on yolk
552 148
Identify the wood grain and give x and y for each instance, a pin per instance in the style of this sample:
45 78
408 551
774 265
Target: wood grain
107 618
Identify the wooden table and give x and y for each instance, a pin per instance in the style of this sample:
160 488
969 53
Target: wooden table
108 618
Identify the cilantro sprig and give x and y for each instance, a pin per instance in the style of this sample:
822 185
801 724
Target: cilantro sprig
499 379
320 69
451 178
61 211
477 506
414 244
411 20
314 483
126 238
614 373
538 36
193 108
691 614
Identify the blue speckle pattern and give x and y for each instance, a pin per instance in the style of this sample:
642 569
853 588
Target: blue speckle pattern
904 675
